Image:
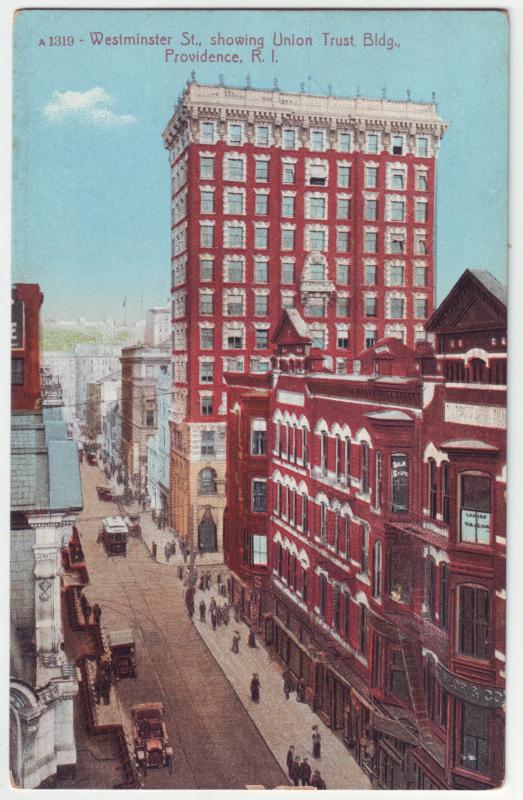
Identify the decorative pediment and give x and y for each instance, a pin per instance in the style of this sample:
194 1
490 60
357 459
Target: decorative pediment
291 329
477 301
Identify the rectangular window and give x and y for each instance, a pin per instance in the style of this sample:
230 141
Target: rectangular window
371 242
370 338
206 338
398 683
344 143
234 306
397 308
206 269
371 209
235 271
207 202
289 139
399 483
342 341
372 142
17 372
262 204
261 303
420 212
261 269
342 274
206 235
235 169
343 176
206 304
206 371
364 550
261 170
474 738
317 240
287 272
397 145
420 276
317 140
234 235
342 208
262 135
261 238
207 446
371 307
420 246
258 437
342 241
287 205
397 179
235 133
420 307
371 177
259 495
315 307
475 509
207 132
397 244
262 339
342 306
206 167
234 202
289 173
474 622
395 275
421 181
206 406
318 339
397 211
317 207
259 550
370 274
422 146
287 239
235 342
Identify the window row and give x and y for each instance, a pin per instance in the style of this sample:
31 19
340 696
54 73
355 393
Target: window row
233 339
235 237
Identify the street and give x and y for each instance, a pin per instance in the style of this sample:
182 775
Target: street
216 745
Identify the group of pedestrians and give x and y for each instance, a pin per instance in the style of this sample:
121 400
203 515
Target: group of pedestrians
87 610
288 687
300 771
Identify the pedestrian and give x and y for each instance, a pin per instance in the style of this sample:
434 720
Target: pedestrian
213 618
97 613
236 642
208 581
202 583
173 548
296 771
252 639
316 742
219 580
87 613
237 615
287 683
202 610
317 781
219 615
144 504
225 614
180 572
154 549
305 773
255 688
189 601
300 691
290 760
212 604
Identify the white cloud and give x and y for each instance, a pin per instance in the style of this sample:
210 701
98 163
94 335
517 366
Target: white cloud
90 106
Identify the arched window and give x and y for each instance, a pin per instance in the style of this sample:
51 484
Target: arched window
399 483
336 617
207 539
363 637
324 451
323 523
477 370
304 447
347 460
207 481
364 549
337 531
364 468
430 588
376 571
323 595
445 499
377 503
305 513
337 442
474 621
475 492
433 488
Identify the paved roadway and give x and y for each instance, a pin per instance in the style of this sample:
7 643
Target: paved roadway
216 744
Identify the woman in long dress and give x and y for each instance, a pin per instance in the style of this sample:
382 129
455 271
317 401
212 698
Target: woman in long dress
255 688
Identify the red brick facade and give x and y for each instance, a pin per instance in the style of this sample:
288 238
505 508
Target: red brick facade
26 301
386 538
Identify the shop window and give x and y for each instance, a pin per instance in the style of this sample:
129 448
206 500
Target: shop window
474 622
474 738
399 483
475 509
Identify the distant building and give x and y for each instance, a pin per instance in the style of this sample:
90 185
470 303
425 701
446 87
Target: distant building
91 363
112 434
101 396
61 365
140 368
158 446
46 495
157 326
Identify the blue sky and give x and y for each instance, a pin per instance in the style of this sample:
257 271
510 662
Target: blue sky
91 177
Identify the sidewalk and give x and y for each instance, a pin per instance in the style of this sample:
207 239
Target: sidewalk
281 722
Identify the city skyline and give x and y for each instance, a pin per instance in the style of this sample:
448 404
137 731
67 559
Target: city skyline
110 131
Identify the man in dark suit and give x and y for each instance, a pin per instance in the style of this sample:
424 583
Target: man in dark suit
290 760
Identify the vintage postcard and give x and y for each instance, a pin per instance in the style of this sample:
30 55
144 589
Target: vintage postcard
258 399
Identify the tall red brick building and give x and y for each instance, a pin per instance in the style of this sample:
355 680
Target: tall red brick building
26 301
373 561
281 200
